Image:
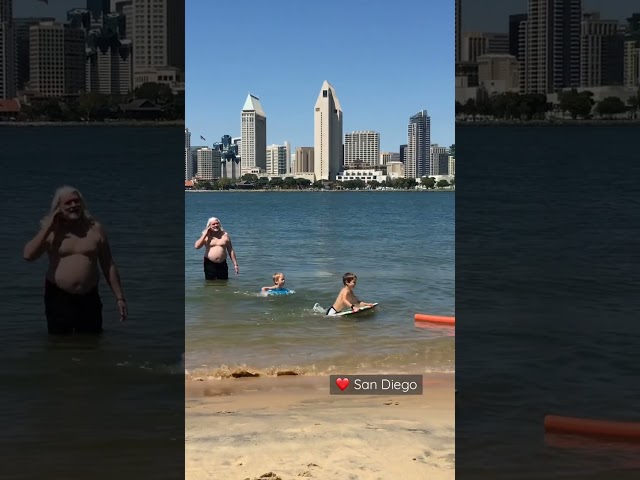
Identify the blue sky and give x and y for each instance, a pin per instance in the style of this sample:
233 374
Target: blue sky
493 15
386 61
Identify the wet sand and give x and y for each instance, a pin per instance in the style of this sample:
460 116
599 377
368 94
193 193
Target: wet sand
292 428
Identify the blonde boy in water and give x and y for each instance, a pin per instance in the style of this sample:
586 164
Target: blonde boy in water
278 282
346 298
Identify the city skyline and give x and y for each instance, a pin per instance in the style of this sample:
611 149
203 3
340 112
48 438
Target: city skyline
493 15
384 73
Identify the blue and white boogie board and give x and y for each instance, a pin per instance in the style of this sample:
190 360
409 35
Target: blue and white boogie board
279 291
351 312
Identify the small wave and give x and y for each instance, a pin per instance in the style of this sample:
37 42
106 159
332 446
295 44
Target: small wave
172 369
243 371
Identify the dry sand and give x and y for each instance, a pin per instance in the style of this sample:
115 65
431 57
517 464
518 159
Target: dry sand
239 429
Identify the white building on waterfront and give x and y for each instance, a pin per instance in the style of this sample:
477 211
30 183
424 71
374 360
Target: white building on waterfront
361 149
328 151
395 169
253 128
367 175
277 156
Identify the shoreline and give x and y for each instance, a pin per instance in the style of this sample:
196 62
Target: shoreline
245 428
547 123
125 123
316 191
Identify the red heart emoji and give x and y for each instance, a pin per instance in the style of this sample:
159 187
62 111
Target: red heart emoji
342 383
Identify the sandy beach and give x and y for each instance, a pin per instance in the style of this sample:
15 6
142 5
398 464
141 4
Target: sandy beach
290 427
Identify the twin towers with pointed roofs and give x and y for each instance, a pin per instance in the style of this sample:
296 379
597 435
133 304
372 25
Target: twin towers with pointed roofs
328 150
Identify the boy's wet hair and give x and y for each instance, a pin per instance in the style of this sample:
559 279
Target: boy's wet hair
276 276
347 277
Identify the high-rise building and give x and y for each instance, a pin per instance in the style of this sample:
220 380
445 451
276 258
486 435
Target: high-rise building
8 73
277 159
209 161
253 128
552 54
109 70
385 157
403 153
515 22
458 29
188 163
475 44
361 149
439 160
46 57
21 27
109 55
418 161
452 165
98 9
125 9
601 52
304 160
631 62
522 52
328 150
157 28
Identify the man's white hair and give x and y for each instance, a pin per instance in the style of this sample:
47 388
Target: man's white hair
64 191
209 222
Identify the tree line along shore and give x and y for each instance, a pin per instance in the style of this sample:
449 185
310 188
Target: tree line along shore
253 182
150 102
572 106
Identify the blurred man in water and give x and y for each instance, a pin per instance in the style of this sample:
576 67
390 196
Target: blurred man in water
77 246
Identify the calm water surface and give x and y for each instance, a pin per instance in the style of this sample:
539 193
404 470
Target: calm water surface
81 407
400 244
548 275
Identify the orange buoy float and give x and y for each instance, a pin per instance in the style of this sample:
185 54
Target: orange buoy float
423 317
586 426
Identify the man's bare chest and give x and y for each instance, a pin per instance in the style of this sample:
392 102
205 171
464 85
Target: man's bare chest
70 244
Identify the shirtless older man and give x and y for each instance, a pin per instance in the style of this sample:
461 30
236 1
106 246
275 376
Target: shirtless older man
218 244
75 244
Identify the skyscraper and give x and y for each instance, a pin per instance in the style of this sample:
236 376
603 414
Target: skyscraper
417 162
98 8
304 160
458 29
439 158
361 149
156 28
328 151
277 159
253 128
601 52
514 34
188 162
552 54
8 74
